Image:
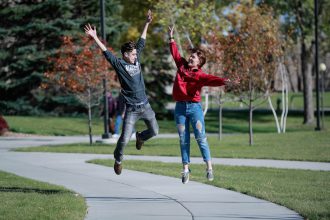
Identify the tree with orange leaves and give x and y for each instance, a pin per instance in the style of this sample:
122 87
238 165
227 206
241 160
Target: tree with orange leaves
250 51
79 68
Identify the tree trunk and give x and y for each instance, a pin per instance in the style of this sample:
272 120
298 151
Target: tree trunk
283 96
251 91
281 127
286 99
306 68
274 114
90 125
292 74
220 123
250 123
206 101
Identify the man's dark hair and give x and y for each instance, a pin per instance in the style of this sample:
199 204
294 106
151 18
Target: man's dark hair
128 47
201 55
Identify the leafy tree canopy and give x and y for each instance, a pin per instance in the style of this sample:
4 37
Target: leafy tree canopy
30 31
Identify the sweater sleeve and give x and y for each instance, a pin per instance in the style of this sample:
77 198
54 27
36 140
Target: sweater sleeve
140 45
179 61
211 80
113 60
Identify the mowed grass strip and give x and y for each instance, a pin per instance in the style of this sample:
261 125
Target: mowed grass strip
233 122
66 126
23 198
304 146
306 192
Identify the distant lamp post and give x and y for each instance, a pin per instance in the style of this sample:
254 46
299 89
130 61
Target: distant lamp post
317 81
323 69
106 134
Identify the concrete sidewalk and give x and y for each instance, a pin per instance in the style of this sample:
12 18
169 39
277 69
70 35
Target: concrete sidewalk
282 164
136 195
132 195
7 143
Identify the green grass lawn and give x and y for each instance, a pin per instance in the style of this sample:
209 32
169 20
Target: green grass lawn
66 126
237 122
295 101
308 146
22 198
233 122
306 192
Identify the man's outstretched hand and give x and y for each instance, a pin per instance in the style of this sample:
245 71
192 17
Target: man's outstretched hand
90 31
149 16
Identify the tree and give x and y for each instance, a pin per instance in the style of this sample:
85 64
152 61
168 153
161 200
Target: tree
193 18
250 51
215 56
29 34
31 31
298 18
79 68
89 12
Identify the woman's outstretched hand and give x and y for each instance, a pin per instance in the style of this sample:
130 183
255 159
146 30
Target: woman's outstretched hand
233 83
170 31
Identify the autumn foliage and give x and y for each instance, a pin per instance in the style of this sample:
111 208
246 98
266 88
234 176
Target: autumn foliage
79 67
251 51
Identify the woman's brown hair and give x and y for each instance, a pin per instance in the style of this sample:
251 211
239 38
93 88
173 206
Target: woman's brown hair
201 55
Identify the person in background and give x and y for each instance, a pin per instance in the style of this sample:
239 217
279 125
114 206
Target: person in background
120 113
112 109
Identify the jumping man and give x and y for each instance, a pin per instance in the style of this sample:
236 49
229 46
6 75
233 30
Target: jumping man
128 69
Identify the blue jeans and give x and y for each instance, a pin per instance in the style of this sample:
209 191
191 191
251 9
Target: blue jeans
186 113
132 115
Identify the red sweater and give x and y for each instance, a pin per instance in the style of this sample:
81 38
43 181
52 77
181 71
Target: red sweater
188 83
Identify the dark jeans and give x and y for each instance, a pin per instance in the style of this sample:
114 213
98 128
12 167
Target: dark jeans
132 115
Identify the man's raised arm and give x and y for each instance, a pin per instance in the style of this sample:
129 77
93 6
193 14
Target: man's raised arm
148 21
92 32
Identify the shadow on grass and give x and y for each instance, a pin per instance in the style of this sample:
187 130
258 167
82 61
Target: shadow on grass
127 199
31 190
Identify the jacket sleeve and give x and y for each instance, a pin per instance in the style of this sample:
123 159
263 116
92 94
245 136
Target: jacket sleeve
179 61
113 60
211 80
140 45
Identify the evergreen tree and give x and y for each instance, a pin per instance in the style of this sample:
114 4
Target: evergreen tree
89 12
30 31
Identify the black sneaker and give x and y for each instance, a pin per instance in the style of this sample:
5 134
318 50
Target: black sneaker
139 141
117 167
